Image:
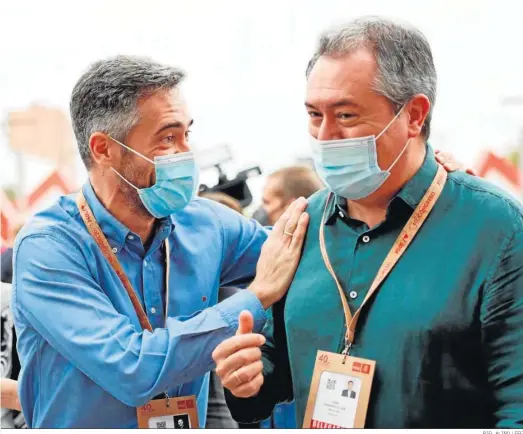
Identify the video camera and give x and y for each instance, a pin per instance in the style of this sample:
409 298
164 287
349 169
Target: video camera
237 187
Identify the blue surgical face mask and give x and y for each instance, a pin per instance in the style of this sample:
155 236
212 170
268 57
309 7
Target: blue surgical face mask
176 183
349 167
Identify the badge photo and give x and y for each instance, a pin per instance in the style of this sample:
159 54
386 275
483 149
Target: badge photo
172 413
340 391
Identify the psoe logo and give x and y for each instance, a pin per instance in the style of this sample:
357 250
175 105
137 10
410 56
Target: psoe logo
364 368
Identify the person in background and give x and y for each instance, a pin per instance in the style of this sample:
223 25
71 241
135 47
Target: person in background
6 257
94 345
445 324
9 395
282 188
12 416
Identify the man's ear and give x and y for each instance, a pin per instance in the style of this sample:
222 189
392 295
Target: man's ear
418 109
104 150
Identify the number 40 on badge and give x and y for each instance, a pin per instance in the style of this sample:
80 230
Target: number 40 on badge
340 391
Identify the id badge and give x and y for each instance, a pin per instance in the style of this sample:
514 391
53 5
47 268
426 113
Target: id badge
177 413
340 391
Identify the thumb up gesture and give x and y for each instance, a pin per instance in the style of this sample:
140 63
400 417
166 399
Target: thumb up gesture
238 359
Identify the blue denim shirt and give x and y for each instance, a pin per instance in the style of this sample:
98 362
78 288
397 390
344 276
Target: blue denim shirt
86 361
283 416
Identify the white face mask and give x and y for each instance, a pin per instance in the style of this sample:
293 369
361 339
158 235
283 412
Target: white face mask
349 167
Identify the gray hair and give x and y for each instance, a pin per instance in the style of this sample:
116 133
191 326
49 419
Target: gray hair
403 56
105 98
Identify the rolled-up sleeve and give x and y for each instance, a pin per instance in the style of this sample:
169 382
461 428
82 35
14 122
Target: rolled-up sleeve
57 295
502 328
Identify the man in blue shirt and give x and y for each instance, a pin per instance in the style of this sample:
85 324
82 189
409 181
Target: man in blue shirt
87 362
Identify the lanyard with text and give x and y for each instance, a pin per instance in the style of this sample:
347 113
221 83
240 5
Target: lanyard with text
180 412
107 251
341 385
400 246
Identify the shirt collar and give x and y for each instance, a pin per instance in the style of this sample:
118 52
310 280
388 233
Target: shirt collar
335 208
411 193
414 190
115 231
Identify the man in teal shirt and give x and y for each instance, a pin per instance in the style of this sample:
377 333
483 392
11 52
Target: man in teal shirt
446 326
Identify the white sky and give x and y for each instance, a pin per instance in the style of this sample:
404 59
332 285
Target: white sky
246 64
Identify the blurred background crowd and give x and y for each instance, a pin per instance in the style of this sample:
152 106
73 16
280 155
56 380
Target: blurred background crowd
246 77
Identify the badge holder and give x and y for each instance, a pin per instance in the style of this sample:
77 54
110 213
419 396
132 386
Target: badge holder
340 391
177 413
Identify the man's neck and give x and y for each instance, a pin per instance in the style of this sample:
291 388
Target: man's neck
114 201
373 209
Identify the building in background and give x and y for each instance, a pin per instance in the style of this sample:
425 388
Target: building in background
13 214
503 172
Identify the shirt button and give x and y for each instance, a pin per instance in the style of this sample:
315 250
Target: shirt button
145 263
353 294
131 237
153 310
366 239
340 214
115 249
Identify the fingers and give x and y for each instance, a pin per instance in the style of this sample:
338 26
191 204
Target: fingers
448 162
279 227
282 225
245 323
298 208
235 344
299 233
243 375
244 357
451 164
449 167
249 389
441 157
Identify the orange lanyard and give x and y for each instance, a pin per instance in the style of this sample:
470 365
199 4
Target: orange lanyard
103 244
400 246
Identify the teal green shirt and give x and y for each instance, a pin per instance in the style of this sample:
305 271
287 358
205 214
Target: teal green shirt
445 328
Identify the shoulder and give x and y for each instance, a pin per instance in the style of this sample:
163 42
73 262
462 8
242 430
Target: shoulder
60 224
316 202
316 206
479 199
206 208
203 213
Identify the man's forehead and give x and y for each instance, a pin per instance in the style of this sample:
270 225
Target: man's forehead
167 97
342 77
163 103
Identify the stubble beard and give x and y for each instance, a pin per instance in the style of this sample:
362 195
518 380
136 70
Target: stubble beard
130 173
